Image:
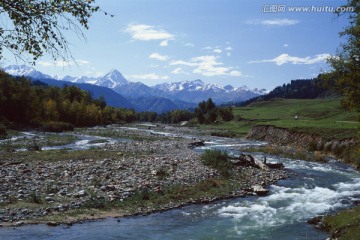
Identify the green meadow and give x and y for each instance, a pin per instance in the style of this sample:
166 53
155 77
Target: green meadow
318 116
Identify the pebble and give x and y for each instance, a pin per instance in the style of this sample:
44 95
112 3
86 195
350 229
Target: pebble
114 178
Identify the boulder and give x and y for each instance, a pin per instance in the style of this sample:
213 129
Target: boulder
259 190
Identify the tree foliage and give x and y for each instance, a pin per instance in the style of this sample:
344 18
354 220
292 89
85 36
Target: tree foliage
207 112
345 74
24 103
175 116
37 26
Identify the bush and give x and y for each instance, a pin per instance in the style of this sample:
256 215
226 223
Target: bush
57 127
218 160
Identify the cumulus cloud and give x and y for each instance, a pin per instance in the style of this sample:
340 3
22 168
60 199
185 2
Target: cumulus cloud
158 56
61 63
217 50
209 66
273 22
149 76
189 45
143 32
286 58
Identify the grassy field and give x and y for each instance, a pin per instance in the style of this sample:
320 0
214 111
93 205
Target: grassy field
319 116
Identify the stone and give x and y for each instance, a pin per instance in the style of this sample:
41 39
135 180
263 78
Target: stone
82 193
49 199
259 190
52 224
20 223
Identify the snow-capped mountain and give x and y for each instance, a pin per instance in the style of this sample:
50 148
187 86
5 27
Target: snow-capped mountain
26 71
195 85
191 92
196 91
112 79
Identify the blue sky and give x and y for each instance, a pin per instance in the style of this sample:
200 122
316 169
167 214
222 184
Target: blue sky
258 43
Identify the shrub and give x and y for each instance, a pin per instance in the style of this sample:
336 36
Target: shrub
218 160
57 127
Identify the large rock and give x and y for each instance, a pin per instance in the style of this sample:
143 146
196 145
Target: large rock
259 190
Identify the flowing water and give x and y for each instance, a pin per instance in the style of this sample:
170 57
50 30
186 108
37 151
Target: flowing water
316 188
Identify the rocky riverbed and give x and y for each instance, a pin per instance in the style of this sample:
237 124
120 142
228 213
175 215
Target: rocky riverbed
151 162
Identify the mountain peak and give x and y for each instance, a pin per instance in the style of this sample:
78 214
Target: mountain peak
26 71
112 79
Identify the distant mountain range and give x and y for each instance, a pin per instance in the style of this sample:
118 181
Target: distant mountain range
120 92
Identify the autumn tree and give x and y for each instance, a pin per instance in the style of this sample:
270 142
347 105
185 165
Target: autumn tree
345 74
36 27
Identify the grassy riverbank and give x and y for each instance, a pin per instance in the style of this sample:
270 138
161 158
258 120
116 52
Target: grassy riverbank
321 117
344 225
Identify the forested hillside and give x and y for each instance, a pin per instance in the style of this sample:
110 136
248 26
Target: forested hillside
296 89
25 103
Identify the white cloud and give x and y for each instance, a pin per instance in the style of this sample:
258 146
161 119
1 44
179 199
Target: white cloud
62 63
181 62
158 56
286 45
209 66
286 58
143 32
228 54
280 22
228 49
164 43
149 76
273 22
217 50
178 71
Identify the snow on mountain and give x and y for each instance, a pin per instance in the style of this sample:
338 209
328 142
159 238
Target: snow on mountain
187 91
196 91
195 85
26 71
112 79
85 79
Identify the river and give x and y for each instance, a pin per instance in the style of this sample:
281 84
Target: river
316 189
